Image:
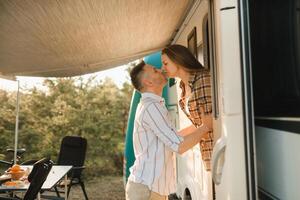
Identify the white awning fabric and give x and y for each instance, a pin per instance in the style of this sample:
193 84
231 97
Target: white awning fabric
58 38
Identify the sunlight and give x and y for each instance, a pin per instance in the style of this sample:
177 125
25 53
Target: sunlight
118 74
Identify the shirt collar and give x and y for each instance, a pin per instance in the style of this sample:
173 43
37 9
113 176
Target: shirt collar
152 96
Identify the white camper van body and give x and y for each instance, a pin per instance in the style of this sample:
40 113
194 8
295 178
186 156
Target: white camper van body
193 181
240 141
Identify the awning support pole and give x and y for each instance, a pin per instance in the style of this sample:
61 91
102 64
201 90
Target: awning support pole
17 124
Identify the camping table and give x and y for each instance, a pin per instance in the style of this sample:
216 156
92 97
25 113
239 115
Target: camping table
55 175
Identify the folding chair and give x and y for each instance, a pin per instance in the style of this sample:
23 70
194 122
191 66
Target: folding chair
72 152
37 177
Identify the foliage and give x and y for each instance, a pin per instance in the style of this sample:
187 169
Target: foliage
97 111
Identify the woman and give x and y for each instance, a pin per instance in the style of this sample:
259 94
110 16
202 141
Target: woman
195 99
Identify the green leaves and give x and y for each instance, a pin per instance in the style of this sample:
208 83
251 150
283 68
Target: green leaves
97 111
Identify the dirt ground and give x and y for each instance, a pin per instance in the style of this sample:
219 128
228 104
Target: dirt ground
104 188
101 188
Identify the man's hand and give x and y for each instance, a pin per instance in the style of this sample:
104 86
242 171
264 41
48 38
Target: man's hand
204 128
193 138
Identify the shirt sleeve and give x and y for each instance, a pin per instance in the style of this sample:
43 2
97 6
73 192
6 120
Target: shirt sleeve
155 118
203 92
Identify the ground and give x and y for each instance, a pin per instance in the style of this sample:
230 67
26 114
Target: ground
104 188
101 188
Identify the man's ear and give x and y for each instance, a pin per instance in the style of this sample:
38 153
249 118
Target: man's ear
147 83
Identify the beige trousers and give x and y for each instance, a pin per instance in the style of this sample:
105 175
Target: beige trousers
137 191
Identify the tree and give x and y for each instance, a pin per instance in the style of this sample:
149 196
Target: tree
95 110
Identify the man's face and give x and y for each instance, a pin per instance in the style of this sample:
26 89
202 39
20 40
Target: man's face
154 76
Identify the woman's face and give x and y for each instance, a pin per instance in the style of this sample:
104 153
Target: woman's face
169 66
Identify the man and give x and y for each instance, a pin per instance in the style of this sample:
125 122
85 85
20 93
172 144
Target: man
154 139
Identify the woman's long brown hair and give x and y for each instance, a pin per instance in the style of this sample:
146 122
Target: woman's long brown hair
182 56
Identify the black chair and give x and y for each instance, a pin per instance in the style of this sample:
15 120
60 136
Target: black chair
10 153
72 152
37 177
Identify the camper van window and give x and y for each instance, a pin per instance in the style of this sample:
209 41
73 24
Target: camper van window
192 42
275 43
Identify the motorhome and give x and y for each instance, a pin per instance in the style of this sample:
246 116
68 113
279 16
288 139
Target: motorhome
252 51
251 48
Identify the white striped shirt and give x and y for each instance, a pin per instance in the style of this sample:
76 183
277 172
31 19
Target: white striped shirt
154 141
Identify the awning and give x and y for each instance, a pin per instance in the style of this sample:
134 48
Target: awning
72 37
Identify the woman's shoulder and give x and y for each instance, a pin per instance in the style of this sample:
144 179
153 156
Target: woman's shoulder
202 73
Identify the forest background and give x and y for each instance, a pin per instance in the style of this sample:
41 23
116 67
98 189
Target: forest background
97 111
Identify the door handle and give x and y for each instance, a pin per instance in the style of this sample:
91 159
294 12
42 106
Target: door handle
217 161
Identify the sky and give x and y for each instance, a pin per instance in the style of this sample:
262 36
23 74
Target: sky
118 74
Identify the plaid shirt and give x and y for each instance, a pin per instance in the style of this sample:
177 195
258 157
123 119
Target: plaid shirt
199 101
